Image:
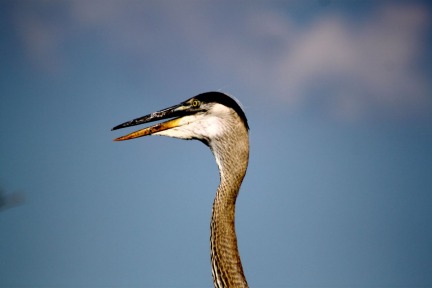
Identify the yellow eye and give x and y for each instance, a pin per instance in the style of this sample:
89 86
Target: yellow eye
195 103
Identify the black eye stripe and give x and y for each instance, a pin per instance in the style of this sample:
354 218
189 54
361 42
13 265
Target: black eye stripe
223 99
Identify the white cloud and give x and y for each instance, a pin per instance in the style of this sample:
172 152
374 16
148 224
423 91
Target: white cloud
352 68
41 40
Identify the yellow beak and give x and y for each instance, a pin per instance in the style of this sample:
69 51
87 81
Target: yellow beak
151 130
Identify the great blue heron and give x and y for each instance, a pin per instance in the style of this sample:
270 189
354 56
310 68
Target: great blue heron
218 121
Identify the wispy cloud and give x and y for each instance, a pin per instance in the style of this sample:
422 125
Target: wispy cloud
350 68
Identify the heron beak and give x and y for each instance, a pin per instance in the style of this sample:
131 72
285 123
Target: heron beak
174 111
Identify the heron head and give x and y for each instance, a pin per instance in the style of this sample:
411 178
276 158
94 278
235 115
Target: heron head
203 117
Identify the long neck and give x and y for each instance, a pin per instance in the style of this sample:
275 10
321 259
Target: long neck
232 158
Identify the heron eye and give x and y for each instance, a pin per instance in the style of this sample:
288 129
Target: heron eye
195 103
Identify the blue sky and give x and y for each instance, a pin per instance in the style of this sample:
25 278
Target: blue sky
338 98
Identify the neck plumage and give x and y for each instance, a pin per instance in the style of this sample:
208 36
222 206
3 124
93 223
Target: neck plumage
232 158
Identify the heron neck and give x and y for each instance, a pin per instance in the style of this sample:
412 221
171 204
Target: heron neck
227 269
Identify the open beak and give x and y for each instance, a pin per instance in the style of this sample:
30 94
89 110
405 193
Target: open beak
174 111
